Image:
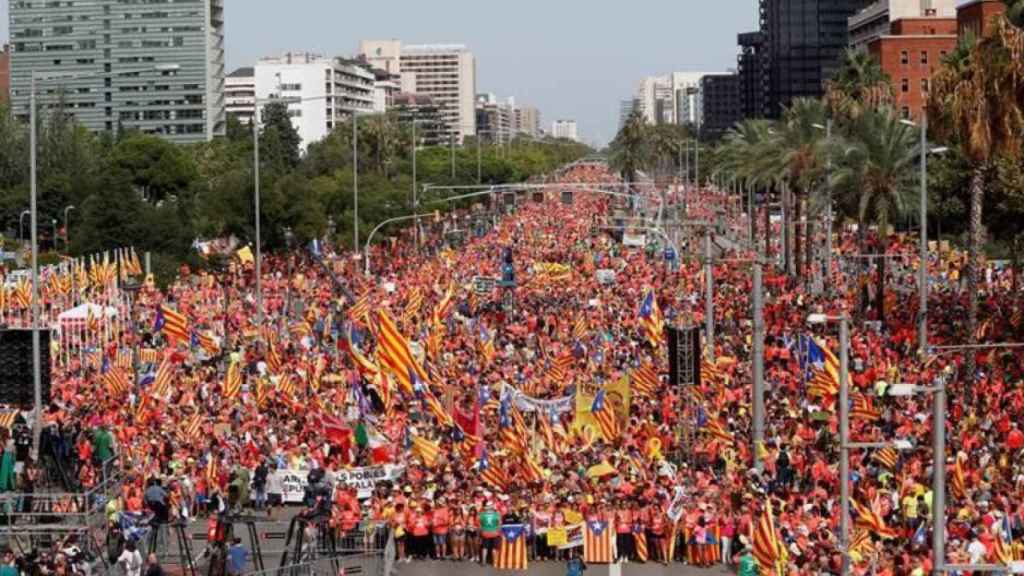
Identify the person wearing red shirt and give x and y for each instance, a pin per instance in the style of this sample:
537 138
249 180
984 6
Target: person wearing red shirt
623 532
1015 439
440 520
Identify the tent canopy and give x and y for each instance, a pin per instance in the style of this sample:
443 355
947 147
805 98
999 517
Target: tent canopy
82 312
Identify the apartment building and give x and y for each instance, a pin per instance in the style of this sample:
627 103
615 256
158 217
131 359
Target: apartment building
444 72
565 129
154 67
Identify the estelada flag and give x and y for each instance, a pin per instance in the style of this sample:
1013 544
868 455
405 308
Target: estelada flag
597 542
172 323
512 548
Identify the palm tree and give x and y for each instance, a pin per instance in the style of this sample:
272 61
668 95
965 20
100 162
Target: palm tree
859 85
876 172
978 102
796 156
1015 12
742 153
629 150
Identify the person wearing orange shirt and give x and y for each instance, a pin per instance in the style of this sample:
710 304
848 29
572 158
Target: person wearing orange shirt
623 532
440 520
419 528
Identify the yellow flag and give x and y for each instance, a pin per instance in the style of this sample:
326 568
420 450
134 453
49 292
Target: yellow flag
245 255
583 417
572 516
619 395
599 470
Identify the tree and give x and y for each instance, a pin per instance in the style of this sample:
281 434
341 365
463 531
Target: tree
796 157
742 152
279 141
877 170
859 85
156 167
1015 12
629 149
978 101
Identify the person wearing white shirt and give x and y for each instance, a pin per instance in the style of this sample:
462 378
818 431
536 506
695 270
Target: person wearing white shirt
131 560
977 551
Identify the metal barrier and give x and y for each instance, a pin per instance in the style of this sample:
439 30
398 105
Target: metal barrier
44 518
371 564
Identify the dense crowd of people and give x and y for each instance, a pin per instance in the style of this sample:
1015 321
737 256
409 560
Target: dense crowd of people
490 397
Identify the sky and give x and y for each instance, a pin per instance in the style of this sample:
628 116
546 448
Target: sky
572 59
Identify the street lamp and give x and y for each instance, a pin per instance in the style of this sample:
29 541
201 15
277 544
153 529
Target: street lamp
828 210
844 431
37 370
922 321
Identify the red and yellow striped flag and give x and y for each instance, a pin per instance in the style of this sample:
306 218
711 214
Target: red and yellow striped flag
233 381
769 551
427 450
394 353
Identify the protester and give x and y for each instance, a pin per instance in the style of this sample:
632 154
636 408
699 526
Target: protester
494 422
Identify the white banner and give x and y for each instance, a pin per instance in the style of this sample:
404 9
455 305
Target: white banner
290 484
366 478
530 404
634 240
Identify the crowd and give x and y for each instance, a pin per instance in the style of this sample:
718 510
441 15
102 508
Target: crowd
492 399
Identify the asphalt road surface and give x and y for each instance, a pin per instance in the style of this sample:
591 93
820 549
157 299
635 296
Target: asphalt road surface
557 569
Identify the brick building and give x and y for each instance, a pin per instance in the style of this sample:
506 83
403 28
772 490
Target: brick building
910 54
976 16
5 75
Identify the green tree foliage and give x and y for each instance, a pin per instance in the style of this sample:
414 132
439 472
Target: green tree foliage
140 190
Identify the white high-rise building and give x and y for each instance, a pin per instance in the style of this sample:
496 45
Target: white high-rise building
669 99
445 72
565 129
328 91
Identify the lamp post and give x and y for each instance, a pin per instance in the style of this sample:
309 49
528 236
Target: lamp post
758 364
67 228
844 432
939 565
37 370
922 280
828 209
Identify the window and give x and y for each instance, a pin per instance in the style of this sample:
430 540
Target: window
904 57
924 56
905 111
924 85
905 85
942 54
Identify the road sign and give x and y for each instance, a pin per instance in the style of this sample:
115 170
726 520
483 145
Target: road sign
8 255
483 284
670 254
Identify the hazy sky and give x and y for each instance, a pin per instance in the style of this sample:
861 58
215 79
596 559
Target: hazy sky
570 58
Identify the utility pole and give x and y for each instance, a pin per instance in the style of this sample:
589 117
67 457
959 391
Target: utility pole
922 328
256 207
709 295
939 477
828 214
758 365
355 182
844 443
